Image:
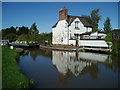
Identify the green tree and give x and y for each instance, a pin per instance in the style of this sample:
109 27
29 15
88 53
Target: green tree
23 30
33 37
33 29
9 33
107 25
109 38
93 19
23 37
11 37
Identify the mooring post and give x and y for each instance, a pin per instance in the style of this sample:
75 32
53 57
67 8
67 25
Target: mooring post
11 47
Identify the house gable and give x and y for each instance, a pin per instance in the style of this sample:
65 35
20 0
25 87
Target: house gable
77 27
70 19
77 24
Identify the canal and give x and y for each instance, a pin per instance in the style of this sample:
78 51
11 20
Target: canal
61 69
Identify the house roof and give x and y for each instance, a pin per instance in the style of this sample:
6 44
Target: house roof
70 19
55 25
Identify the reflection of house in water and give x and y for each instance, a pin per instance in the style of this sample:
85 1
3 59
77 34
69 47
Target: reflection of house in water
73 63
94 57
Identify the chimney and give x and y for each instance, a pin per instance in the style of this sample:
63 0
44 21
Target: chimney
63 14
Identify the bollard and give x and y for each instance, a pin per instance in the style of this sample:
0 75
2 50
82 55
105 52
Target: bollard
11 47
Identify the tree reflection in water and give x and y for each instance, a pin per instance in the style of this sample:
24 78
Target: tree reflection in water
37 52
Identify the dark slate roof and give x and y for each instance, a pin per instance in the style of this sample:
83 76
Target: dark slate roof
55 25
70 19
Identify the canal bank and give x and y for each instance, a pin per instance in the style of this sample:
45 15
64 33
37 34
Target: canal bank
60 48
12 76
78 49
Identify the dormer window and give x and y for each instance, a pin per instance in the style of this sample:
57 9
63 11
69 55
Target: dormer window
76 25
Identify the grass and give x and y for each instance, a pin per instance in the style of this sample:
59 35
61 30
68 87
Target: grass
11 73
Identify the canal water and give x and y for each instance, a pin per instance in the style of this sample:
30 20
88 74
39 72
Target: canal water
61 69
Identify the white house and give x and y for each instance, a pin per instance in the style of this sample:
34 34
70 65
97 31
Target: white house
74 30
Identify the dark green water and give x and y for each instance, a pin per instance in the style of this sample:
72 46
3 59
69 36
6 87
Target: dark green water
60 69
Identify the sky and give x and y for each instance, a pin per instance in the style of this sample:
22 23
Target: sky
60 0
46 14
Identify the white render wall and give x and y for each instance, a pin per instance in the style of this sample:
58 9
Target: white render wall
102 35
93 43
60 32
72 42
94 35
83 29
89 29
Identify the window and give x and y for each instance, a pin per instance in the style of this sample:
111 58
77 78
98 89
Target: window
76 25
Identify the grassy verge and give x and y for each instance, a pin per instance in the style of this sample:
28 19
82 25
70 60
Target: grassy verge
11 74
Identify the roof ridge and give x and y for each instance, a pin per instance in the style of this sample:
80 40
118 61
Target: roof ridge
71 18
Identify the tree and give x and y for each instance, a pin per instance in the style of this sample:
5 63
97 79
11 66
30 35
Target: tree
33 29
93 19
107 25
10 37
23 37
23 30
9 33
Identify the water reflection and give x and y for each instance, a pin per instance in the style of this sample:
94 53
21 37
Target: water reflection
36 53
70 69
74 63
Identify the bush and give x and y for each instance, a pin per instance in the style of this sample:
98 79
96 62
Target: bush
23 37
108 38
116 46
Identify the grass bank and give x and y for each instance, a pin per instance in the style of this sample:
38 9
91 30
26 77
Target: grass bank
11 73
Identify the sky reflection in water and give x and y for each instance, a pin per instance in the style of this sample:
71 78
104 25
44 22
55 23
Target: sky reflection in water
51 69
